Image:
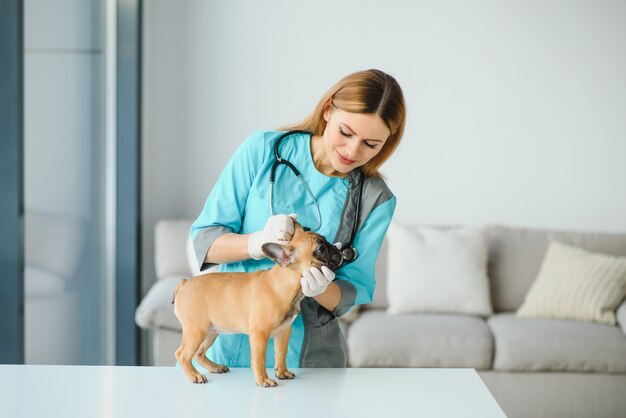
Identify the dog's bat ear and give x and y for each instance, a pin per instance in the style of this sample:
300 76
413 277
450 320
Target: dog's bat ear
296 224
280 254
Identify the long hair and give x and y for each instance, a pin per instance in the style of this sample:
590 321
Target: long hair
368 91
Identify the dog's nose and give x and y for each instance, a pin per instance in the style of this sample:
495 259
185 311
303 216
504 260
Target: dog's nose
334 257
327 253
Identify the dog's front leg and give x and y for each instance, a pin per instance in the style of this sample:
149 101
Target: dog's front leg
281 343
258 347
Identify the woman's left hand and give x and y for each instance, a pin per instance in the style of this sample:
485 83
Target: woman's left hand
315 281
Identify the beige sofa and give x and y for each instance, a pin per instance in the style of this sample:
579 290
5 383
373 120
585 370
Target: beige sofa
533 367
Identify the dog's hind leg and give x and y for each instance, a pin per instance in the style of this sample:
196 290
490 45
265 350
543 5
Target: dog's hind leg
202 359
191 341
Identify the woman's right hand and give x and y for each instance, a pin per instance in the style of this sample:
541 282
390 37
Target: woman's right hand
278 229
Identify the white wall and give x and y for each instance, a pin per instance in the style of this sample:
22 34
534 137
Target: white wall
516 110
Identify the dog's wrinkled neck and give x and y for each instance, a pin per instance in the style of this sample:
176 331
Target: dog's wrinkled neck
293 269
286 280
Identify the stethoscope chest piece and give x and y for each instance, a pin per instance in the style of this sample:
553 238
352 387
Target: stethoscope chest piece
340 255
349 254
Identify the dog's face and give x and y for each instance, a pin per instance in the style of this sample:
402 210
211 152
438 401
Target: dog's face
305 250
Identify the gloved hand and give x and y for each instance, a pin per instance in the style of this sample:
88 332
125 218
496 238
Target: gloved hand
315 282
278 229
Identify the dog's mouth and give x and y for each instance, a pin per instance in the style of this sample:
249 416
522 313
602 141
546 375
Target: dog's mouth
328 254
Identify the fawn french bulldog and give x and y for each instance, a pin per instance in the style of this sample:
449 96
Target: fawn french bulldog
262 304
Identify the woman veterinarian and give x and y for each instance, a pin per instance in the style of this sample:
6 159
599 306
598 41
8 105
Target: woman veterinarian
340 194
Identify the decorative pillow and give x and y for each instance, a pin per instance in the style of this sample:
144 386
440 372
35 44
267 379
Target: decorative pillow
437 270
576 284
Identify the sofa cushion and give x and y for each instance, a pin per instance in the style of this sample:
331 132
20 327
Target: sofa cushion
437 270
377 339
515 256
576 284
156 309
529 344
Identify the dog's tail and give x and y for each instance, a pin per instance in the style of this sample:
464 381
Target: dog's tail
182 282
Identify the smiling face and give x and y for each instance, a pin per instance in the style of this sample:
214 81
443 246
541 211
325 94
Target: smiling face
352 139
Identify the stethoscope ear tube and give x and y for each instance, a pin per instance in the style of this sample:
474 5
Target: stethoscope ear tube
279 161
288 164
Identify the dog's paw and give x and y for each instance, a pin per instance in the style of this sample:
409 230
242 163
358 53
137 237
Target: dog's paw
267 383
198 378
284 374
219 369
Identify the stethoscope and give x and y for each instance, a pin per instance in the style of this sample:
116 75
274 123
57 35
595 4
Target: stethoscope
348 252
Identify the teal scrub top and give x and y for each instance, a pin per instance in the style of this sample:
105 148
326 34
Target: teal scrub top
239 203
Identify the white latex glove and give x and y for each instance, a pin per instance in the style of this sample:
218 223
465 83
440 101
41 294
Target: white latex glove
315 282
278 229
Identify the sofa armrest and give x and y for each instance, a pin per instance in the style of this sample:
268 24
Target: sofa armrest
352 315
170 248
621 316
156 309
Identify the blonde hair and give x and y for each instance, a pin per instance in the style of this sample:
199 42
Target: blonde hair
368 91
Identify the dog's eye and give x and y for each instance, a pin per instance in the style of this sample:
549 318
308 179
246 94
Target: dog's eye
319 249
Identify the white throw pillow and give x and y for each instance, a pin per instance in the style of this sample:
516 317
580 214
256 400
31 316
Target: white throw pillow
576 284
437 270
